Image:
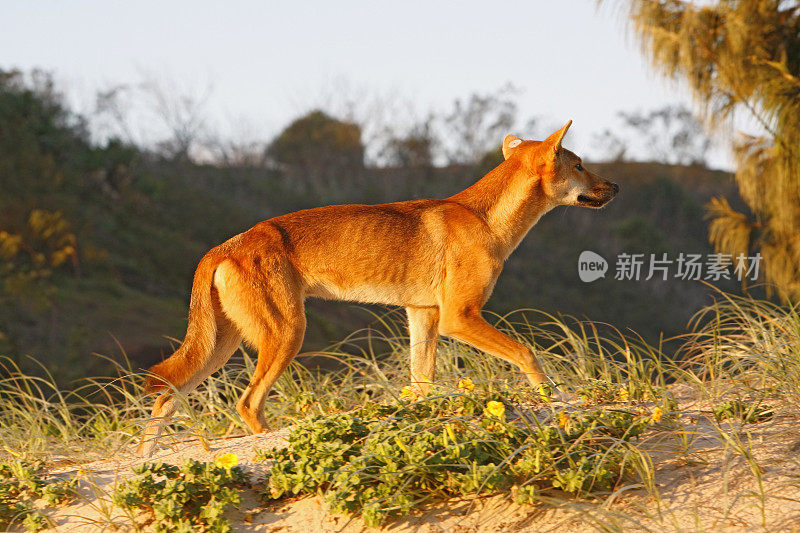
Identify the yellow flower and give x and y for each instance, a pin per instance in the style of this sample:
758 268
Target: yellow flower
656 416
466 384
227 460
407 393
496 409
563 419
623 395
545 391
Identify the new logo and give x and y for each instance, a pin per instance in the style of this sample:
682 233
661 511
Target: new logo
591 266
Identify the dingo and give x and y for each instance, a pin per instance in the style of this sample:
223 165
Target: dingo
437 258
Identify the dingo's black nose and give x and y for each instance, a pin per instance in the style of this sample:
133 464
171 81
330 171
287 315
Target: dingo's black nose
614 186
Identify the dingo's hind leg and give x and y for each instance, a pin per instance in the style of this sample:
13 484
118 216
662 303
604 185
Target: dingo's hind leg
273 358
268 310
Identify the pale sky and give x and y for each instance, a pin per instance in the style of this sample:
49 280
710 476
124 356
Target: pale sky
266 62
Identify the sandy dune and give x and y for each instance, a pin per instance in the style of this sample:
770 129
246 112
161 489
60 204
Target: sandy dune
706 486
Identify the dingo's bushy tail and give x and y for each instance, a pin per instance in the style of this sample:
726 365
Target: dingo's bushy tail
201 333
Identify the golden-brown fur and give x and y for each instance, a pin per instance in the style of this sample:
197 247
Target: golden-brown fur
437 258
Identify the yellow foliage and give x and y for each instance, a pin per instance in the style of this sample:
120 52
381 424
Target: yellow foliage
466 384
496 409
656 416
9 244
46 243
407 393
227 460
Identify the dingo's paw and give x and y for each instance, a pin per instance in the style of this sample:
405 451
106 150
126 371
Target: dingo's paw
146 449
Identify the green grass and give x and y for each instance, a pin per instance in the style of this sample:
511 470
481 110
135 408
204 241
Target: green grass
741 362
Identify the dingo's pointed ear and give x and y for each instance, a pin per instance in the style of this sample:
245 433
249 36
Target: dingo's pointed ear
509 143
554 141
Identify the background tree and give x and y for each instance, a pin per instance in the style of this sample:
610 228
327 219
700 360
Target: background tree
742 56
669 134
473 126
239 145
319 149
37 137
414 149
611 146
181 111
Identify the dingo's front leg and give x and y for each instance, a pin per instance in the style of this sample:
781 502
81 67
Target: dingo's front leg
423 328
466 324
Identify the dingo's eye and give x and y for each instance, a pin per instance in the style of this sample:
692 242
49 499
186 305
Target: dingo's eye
579 167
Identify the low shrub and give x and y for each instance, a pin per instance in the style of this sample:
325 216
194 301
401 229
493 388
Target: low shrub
22 484
191 497
383 460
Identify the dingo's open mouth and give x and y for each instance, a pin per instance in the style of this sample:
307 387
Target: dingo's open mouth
599 196
595 201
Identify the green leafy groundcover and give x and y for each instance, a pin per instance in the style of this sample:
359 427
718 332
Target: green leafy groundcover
191 497
21 484
383 460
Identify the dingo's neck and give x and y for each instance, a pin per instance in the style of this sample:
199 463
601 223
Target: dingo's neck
511 203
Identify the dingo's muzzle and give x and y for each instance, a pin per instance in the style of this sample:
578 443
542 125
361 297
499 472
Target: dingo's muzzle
599 195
